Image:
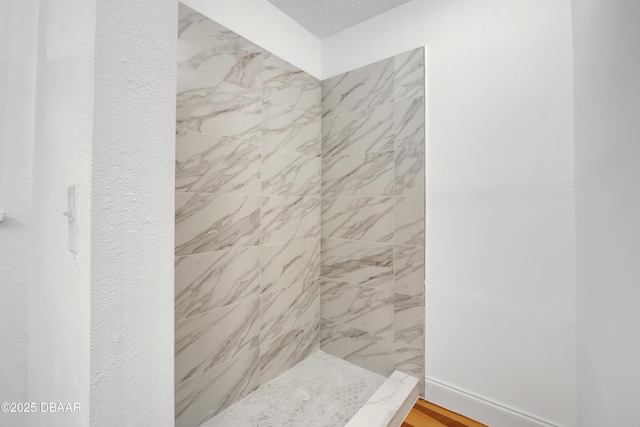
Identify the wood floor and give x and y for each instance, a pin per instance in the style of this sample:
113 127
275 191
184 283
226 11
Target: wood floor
425 414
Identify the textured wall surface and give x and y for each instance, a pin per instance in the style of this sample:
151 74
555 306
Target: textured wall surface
18 32
373 196
132 213
59 297
247 301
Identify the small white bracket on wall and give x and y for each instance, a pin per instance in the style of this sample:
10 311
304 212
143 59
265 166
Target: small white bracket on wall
71 219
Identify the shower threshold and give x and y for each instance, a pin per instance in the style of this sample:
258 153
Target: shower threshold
321 391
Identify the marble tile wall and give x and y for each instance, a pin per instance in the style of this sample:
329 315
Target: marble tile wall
248 217
373 204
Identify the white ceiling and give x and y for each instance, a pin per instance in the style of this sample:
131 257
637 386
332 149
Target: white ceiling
327 17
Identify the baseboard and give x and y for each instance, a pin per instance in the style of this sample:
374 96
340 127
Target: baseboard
477 408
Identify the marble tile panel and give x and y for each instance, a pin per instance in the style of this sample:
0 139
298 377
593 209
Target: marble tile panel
409 360
287 128
286 84
410 221
361 175
358 218
242 68
363 131
215 279
215 337
211 164
290 218
217 108
204 396
409 123
362 88
360 263
290 174
289 349
359 347
285 264
409 270
409 74
410 176
212 222
285 309
409 319
359 306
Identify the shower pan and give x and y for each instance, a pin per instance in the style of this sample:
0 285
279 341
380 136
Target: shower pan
299 233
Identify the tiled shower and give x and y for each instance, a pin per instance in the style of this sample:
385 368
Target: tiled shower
299 217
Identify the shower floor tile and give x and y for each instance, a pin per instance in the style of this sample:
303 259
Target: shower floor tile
321 391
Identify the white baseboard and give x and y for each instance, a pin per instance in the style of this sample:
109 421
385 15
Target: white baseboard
477 408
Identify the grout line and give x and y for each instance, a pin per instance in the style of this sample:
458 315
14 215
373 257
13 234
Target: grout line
377 288
233 359
248 247
395 203
358 240
360 329
234 303
239 141
260 223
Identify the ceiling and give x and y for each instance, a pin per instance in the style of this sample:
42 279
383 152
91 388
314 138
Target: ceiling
324 18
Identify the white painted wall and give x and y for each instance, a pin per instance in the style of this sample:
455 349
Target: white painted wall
607 129
18 28
59 292
132 218
500 297
267 26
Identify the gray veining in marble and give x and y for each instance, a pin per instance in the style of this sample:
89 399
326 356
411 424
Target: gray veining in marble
358 175
290 218
217 108
286 84
215 337
287 128
242 68
285 309
204 396
212 222
286 264
409 319
359 306
367 350
409 123
409 74
358 89
215 279
409 360
287 350
363 131
410 220
289 174
360 263
410 176
358 218
373 185
268 160
211 164
409 270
